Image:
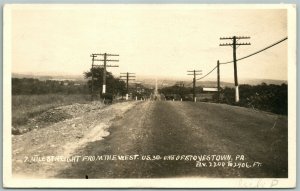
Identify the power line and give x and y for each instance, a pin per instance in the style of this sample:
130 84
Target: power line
204 75
128 76
218 79
278 42
259 51
194 73
208 73
104 65
234 45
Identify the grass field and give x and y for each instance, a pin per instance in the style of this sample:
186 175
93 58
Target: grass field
29 106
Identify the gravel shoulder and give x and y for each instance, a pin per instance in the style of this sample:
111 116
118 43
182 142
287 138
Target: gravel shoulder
86 123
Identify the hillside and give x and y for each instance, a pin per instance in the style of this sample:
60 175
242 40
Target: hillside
149 81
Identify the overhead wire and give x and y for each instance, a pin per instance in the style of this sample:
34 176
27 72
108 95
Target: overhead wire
207 73
259 51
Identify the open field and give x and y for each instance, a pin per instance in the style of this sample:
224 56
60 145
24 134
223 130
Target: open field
25 107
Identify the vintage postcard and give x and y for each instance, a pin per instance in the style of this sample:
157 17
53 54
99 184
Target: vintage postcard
149 96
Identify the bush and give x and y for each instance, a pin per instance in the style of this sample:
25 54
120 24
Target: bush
272 98
108 98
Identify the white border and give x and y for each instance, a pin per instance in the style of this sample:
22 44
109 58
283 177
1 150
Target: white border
151 183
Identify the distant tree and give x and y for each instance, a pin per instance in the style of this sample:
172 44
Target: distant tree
272 98
30 86
113 85
178 92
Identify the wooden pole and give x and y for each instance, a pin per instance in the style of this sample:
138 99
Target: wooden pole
104 75
218 71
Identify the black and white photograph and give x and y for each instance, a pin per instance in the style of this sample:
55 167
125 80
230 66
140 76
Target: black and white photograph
149 95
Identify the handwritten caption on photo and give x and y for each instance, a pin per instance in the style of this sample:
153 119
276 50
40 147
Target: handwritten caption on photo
201 161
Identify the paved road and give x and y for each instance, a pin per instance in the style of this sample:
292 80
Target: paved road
185 128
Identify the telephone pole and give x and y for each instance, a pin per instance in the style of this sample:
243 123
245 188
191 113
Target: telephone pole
194 73
218 77
137 89
128 76
180 84
234 45
92 85
104 66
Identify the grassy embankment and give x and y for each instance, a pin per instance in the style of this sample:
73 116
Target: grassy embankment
25 107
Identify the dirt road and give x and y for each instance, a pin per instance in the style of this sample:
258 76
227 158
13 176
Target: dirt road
166 139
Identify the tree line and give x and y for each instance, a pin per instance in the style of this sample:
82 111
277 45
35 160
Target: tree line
32 86
114 86
272 98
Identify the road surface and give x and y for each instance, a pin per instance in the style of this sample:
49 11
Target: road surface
160 130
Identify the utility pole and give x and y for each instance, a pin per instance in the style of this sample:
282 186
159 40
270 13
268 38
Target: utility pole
234 45
218 77
92 85
128 76
104 65
180 84
194 73
137 89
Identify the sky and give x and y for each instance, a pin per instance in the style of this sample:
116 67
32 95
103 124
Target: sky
152 40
